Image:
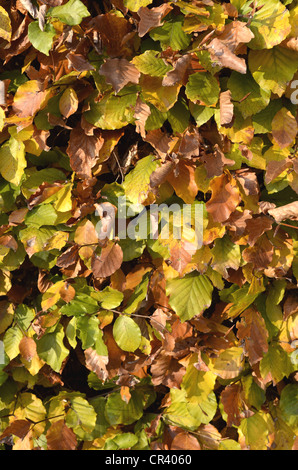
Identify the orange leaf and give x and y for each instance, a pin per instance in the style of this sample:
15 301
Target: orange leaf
60 437
185 441
108 262
27 348
225 198
183 181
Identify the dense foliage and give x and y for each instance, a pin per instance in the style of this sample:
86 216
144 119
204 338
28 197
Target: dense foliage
108 107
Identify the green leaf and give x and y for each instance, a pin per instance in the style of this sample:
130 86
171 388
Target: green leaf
72 13
137 181
44 214
131 248
34 238
156 119
88 330
201 113
81 416
124 440
41 40
127 333
138 295
113 112
190 414
198 384
270 24
11 341
276 364
82 304
190 295
35 179
225 255
12 160
171 34
109 298
273 68
203 87
51 349
244 87
117 411
178 117
255 431
150 64
289 405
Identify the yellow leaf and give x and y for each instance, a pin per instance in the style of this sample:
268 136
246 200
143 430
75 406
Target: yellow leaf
162 97
284 128
51 296
5 25
12 161
57 241
63 199
68 103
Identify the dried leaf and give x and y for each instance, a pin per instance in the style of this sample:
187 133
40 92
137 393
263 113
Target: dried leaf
108 262
119 72
61 437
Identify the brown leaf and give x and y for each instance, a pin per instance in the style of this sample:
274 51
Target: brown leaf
114 32
255 227
284 128
108 262
225 198
79 62
221 55
19 428
160 141
67 292
119 72
27 348
289 211
248 180
18 216
29 98
189 145
252 330
260 254
68 258
226 108
44 191
160 175
96 363
151 18
9 242
61 437
179 73
275 168
125 393
83 151
291 305
215 162
185 441
183 181
230 398
237 222
86 237
141 114
235 34
167 371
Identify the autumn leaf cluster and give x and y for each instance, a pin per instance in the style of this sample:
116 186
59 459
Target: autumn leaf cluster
143 343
